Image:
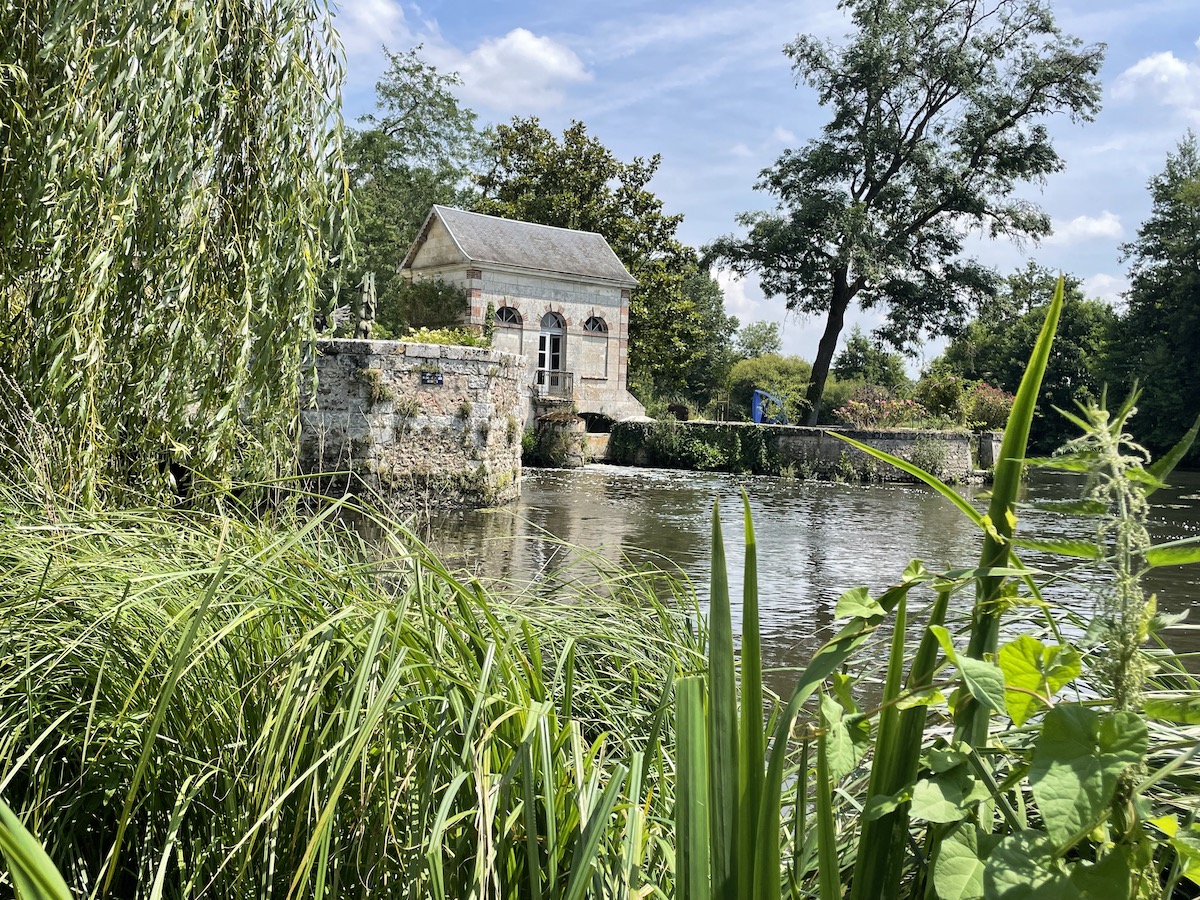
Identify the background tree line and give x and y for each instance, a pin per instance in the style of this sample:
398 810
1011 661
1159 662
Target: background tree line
422 147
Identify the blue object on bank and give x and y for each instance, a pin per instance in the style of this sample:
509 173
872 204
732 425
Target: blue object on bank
766 408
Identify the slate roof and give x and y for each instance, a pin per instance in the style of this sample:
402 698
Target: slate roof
526 245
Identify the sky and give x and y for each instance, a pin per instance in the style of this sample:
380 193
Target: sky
707 87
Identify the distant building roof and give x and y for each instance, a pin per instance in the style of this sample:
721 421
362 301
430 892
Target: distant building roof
526 245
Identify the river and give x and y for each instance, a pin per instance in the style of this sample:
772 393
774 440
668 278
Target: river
815 539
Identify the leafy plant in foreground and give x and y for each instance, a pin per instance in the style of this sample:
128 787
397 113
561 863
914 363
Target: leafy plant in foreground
927 792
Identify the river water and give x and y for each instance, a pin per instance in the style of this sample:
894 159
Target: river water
815 539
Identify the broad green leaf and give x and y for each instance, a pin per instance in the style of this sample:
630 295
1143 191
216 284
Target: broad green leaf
1176 553
1076 762
1022 867
928 697
1027 663
1183 710
1083 461
1140 476
1104 880
856 603
958 873
984 680
882 804
1186 843
943 759
947 797
846 737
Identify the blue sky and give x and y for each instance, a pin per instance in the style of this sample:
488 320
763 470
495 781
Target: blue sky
706 85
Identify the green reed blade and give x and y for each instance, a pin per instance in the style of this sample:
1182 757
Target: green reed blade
971 717
587 847
828 870
897 756
691 790
533 866
178 664
34 876
752 750
823 664
1166 463
434 855
872 868
633 824
722 726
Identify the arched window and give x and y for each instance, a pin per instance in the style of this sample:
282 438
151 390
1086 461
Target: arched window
552 321
508 317
595 325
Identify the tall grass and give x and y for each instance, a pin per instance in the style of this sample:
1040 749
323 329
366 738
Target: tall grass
197 706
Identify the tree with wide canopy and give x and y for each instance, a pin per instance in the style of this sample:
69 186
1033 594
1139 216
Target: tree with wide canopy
938 110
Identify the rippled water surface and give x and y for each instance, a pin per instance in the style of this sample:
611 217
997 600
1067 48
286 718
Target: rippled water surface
816 539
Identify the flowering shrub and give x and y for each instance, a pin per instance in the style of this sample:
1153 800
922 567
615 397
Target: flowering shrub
989 406
871 406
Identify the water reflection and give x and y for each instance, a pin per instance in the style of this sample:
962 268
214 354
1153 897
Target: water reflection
815 539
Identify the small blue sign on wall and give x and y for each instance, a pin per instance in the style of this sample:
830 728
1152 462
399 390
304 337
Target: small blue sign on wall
431 378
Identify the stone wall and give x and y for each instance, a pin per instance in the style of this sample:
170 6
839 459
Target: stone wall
427 424
805 452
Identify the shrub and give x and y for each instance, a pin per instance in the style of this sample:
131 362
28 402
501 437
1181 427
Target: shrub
464 337
872 406
947 396
990 407
786 376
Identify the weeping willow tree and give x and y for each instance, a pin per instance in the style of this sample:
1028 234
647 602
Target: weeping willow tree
171 181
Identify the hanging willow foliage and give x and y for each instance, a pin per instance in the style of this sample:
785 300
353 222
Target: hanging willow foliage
171 182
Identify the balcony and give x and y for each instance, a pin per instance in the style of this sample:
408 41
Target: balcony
551 384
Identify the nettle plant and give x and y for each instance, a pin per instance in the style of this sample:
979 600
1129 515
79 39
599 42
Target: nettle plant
998 757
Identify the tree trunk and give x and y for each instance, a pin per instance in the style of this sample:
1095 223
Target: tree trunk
839 303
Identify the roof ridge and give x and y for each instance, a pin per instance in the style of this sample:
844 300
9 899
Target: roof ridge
467 212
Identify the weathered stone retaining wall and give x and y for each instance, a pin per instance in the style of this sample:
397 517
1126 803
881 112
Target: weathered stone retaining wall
427 424
776 449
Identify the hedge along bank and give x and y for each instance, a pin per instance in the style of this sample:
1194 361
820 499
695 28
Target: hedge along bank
424 424
799 451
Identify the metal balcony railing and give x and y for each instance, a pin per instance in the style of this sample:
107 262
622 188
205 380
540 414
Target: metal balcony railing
552 383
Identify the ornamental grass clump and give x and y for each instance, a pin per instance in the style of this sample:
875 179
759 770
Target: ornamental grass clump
197 705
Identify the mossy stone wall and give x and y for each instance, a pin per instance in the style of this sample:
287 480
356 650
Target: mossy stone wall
784 449
427 425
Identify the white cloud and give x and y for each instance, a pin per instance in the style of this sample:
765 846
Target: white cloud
520 72
738 301
1108 288
783 135
1163 78
741 151
365 25
1107 225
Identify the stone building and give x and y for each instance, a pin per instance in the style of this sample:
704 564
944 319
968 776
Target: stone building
560 300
